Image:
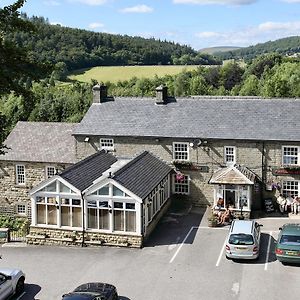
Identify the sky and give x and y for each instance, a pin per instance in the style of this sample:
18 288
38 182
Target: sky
197 23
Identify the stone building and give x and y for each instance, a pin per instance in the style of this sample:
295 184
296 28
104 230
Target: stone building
241 149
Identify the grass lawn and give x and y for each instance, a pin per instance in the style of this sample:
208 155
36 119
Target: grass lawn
116 73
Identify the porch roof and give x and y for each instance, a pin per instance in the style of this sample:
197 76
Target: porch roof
233 175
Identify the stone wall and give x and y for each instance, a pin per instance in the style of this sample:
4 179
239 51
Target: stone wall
11 193
211 155
49 236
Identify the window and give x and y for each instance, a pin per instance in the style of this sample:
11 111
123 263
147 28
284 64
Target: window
21 209
290 188
50 171
98 214
20 174
182 184
229 155
180 151
71 214
118 193
290 155
104 191
107 144
124 216
46 210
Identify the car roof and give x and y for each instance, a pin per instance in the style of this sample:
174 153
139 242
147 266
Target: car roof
291 229
241 226
103 289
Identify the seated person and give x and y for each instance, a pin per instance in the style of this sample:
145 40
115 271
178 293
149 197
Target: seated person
296 205
289 201
226 216
218 207
281 203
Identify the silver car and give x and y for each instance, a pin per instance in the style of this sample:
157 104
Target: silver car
243 240
12 281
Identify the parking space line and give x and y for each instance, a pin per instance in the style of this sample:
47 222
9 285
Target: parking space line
221 253
177 251
268 251
20 297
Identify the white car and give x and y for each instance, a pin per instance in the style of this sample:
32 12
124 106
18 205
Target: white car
12 281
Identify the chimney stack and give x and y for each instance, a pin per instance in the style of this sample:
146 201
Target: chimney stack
161 94
99 93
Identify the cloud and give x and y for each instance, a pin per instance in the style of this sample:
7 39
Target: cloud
96 25
222 2
137 9
57 23
90 2
52 3
248 36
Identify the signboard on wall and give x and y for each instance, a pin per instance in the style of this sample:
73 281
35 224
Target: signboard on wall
285 171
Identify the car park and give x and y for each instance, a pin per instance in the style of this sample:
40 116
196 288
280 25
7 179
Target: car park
243 240
12 281
288 244
93 291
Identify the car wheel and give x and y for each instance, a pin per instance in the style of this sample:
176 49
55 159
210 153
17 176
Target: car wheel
227 257
20 286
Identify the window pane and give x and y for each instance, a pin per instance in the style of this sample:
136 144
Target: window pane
117 192
64 189
119 220
41 214
92 203
92 218
104 191
51 187
65 216
51 200
52 214
76 216
130 221
118 204
65 201
76 202
130 206
103 219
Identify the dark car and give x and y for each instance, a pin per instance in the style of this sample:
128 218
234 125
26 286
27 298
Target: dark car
93 291
288 244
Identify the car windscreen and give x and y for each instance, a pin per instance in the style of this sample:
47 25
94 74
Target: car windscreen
290 240
241 239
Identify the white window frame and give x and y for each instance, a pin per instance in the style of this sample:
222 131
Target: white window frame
107 144
21 174
227 155
291 187
24 209
183 186
290 156
181 153
47 175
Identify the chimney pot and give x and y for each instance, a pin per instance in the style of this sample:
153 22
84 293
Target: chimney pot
161 94
99 93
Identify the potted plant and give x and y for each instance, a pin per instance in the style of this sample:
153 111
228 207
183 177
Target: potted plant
212 219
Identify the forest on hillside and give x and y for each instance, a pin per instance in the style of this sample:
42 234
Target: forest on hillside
285 46
78 48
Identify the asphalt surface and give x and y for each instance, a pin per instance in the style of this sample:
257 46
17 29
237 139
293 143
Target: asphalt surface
183 260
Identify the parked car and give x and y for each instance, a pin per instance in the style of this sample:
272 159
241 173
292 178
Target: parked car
93 291
12 281
243 240
287 248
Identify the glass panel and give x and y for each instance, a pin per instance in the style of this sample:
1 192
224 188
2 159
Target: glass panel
104 191
76 202
63 188
117 192
103 219
40 199
52 214
130 205
92 203
119 220
103 204
51 187
65 216
51 200
130 221
118 204
92 218
65 201
76 216
41 214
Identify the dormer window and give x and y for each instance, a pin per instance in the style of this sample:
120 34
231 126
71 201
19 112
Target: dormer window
180 151
290 155
229 155
107 144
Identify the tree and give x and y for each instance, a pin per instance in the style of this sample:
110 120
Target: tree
14 60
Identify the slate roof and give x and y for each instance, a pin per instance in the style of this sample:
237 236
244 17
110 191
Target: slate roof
84 173
41 142
142 174
239 118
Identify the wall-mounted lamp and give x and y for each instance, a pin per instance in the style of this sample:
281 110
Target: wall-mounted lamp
87 139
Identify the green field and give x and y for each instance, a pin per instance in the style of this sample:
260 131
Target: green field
114 74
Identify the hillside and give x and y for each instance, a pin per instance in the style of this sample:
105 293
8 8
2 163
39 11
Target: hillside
80 49
213 50
285 46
